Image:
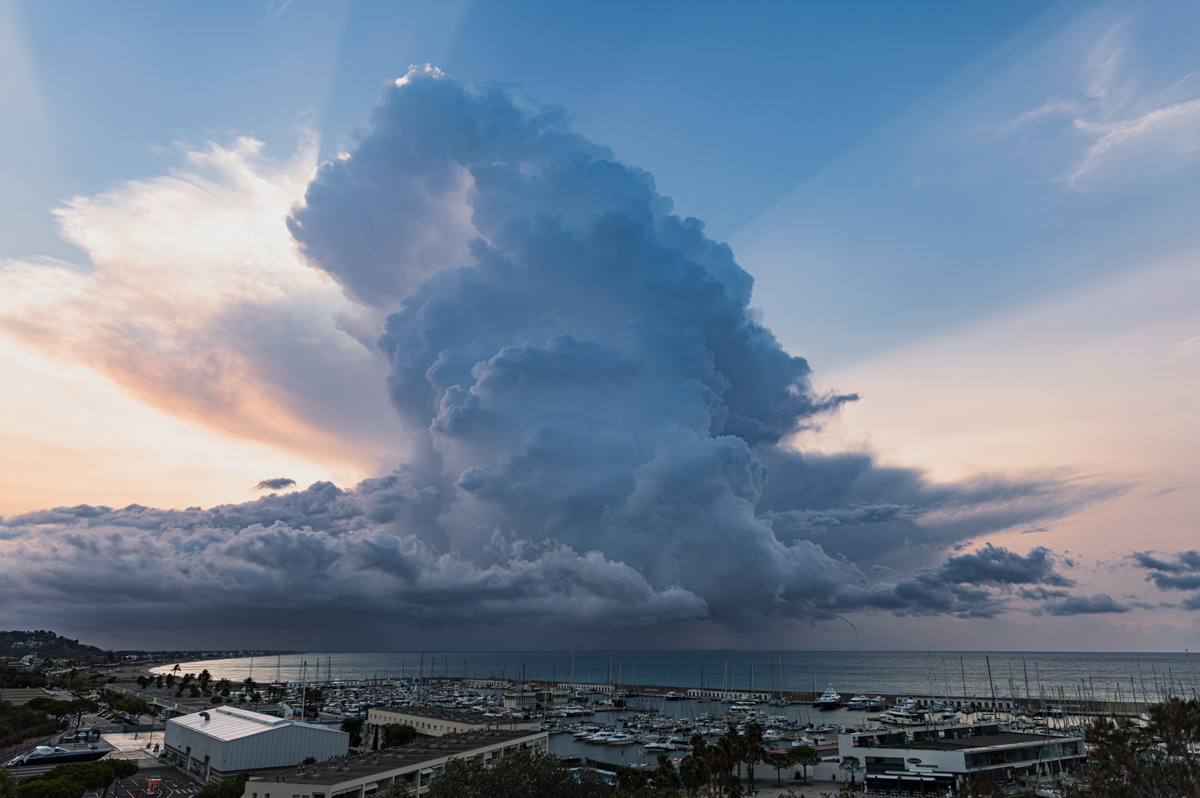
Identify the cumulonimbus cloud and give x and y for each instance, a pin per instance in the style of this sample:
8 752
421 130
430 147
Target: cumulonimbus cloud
595 419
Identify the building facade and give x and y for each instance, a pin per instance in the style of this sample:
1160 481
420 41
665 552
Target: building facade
437 723
931 761
223 741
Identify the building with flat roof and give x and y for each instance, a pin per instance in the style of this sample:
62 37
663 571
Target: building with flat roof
225 740
414 766
431 722
931 761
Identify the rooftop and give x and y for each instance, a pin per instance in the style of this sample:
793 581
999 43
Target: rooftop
230 723
433 713
977 741
363 765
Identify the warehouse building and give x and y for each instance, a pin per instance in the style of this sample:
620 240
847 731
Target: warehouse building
223 741
932 761
411 766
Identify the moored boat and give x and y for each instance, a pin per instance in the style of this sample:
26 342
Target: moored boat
828 700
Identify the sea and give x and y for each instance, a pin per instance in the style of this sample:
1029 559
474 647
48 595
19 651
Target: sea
970 674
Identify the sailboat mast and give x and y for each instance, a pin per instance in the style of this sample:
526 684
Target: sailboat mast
990 682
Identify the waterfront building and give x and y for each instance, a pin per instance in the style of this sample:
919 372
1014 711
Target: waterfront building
224 741
432 722
524 699
931 761
412 766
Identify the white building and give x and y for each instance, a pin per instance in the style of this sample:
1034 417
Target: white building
225 740
430 722
931 761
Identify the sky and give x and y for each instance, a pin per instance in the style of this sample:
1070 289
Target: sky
344 326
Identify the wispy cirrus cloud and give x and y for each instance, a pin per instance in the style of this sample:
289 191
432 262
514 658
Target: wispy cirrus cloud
1131 126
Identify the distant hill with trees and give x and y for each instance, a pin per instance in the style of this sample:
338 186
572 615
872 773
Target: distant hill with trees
43 644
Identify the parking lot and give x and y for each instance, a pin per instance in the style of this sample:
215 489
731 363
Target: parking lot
174 784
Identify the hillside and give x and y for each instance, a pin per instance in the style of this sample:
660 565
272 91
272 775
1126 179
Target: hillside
47 645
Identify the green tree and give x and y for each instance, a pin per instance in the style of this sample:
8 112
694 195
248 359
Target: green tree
752 752
354 727
72 781
1130 761
121 769
806 757
204 678
665 775
850 765
398 734
8 784
524 774
693 774
778 760
229 788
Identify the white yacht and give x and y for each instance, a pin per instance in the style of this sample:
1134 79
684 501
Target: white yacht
828 700
621 738
858 702
904 716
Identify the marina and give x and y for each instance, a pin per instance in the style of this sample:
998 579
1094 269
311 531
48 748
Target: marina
617 720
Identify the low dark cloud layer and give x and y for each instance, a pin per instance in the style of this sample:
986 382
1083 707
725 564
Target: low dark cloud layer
972 585
598 421
1180 571
1098 604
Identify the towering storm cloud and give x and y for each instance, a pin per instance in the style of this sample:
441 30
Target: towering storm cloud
598 423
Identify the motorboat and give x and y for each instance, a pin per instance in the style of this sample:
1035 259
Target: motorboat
901 716
674 696
828 700
621 738
858 702
877 703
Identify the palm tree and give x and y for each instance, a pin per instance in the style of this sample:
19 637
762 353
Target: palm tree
692 773
753 749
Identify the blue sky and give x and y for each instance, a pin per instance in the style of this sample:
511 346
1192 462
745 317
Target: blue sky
979 218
